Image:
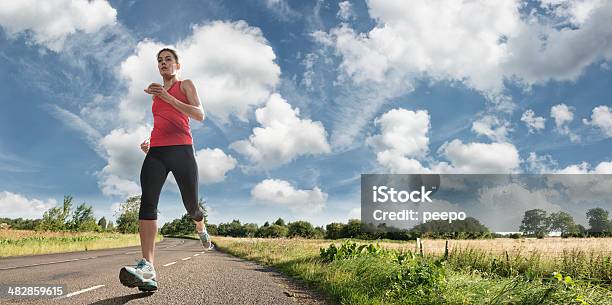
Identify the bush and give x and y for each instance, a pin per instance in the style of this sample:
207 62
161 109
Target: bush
350 249
250 229
179 226
233 229
352 229
273 231
416 279
301 228
334 230
212 229
419 279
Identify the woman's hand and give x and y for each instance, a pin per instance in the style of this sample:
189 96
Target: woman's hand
158 90
145 146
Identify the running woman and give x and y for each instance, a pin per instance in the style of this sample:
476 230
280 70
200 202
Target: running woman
169 149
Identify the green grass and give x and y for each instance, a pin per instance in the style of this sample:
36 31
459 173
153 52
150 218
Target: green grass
377 277
19 242
589 266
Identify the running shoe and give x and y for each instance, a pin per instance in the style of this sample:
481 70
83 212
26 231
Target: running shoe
142 275
206 242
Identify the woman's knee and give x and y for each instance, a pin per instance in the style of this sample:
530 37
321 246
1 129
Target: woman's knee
147 212
197 215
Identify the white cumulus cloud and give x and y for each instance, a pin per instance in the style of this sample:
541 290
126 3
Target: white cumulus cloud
213 164
14 205
283 136
402 140
563 115
345 11
492 127
49 23
481 158
534 123
282 194
601 117
124 160
408 41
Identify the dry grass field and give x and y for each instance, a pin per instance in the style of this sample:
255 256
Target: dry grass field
547 247
25 242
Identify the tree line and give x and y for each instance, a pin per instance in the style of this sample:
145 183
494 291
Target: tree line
538 223
79 219
468 228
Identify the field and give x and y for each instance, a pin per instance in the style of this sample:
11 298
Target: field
24 242
499 271
549 247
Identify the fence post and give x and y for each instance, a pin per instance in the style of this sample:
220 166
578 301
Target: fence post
446 251
421 245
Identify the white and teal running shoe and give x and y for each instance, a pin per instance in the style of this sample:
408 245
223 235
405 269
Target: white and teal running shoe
142 276
206 242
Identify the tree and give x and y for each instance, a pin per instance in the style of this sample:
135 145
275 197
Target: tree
185 224
301 228
280 222
102 223
319 232
83 219
562 222
234 229
272 231
179 226
276 231
334 230
128 220
352 229
212 229
250 229
466 228
56 218
20 223
598 220
535 223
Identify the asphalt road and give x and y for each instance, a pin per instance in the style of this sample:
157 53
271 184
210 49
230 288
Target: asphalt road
186 275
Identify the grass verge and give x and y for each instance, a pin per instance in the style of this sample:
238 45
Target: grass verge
22 242
381 276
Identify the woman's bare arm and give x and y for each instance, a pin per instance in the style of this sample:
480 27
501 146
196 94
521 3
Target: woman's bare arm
193 110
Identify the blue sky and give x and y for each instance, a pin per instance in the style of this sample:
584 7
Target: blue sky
381 87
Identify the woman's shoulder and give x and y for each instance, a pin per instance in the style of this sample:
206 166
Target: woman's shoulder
186 83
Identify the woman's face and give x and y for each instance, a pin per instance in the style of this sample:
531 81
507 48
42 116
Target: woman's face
167 65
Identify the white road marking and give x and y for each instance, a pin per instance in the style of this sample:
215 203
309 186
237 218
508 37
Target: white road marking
80 291
169 264
186 258
41 264
196 254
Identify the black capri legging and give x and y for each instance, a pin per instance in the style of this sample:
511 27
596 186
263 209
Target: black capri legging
178 159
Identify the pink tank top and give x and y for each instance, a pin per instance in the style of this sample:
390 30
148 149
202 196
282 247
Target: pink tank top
170 126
